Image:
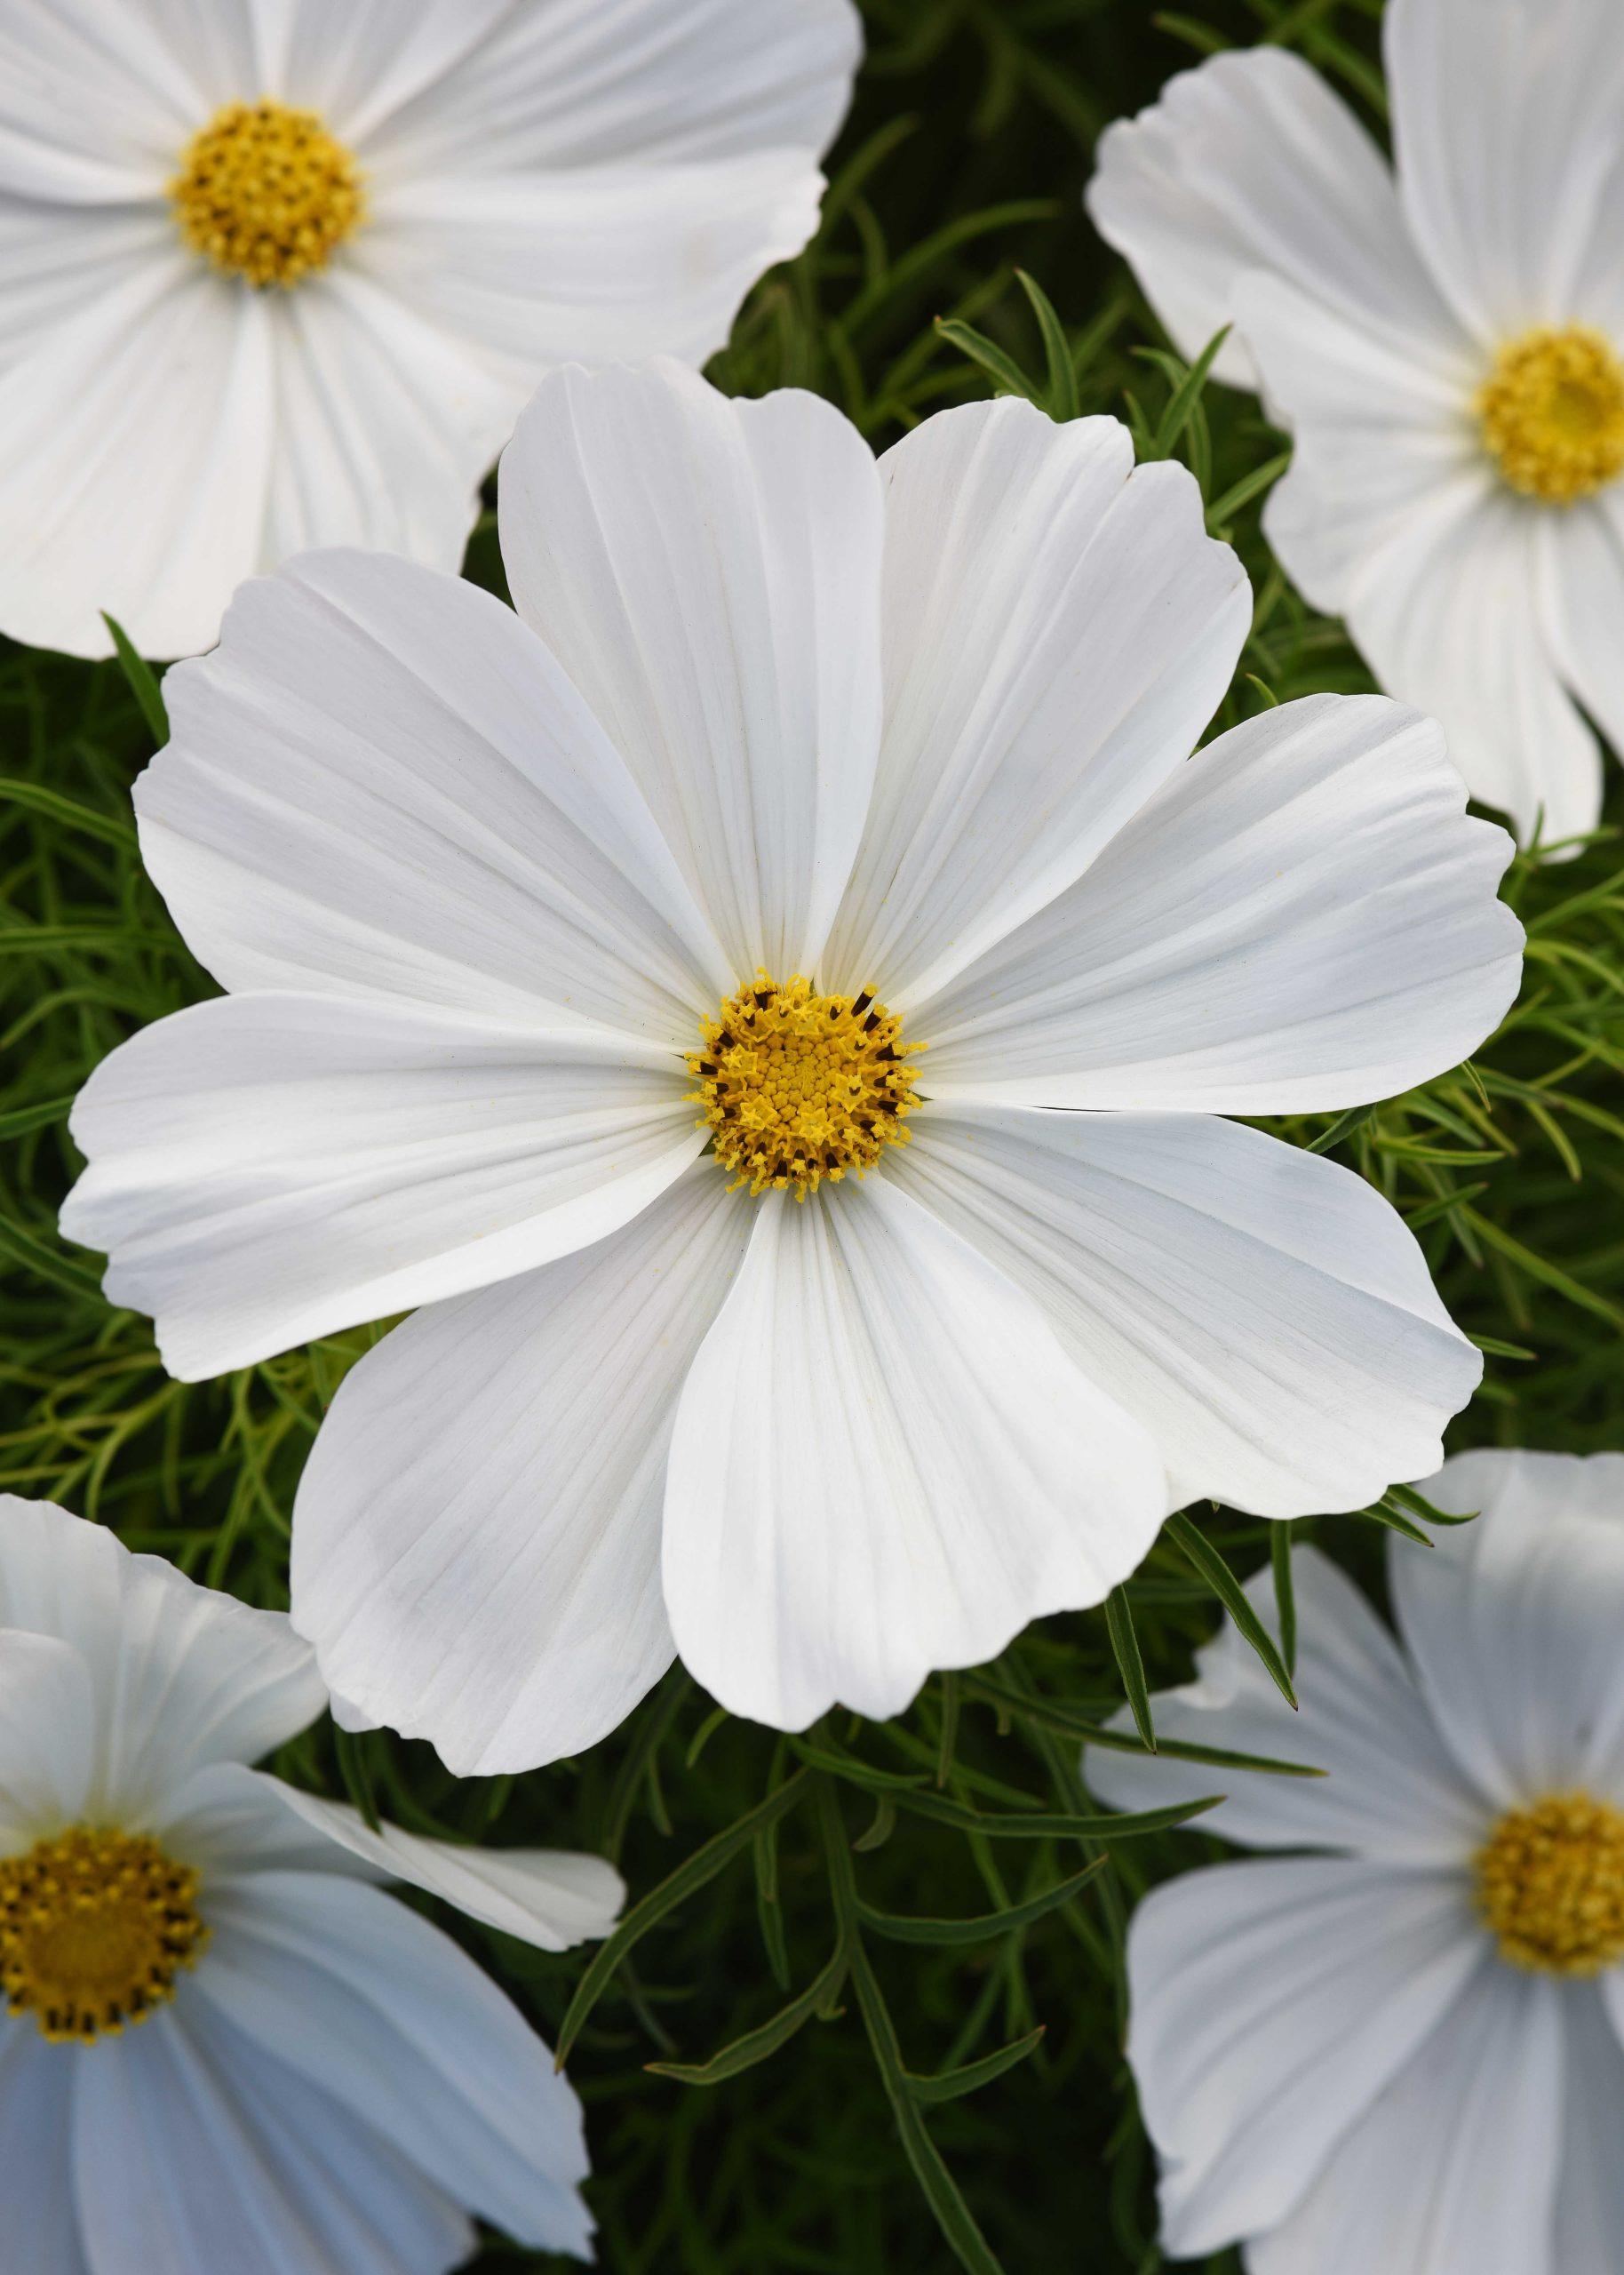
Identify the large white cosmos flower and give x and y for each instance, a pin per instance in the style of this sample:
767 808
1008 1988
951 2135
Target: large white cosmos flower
1445 340
227 2051
1407 2054
579 953
283 273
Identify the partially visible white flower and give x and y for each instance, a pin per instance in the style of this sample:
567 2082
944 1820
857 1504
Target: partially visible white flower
227 2051
1444 339
1407 2054
684 989
281 272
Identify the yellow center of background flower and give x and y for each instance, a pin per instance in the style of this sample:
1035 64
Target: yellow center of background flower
1552 413
265 192
94 1926
1550 1884
798 1087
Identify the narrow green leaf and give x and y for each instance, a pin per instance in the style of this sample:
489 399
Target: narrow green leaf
1417 1504
1342 1127
1393 1522
143 680
948 1746
22 1119
756 2045
1206 1560
1130 1664
1187 395
1053 1716
1002 369
948 2085
38 1256
906 1928
1284 1593
953 2214
882 1825
349 1751
854 1772
112 829
688 1878
1045 1825
1063 399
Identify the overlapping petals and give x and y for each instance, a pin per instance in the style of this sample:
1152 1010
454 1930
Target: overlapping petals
590 178
920 730
1369 304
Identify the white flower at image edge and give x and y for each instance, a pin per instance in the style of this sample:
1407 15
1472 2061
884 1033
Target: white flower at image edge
227 2051
283 273
1406 2055
1444 337
810 817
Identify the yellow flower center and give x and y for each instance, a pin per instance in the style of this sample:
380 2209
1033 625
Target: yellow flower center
265 192
798 1087
1550 1884
1552 413
94 1926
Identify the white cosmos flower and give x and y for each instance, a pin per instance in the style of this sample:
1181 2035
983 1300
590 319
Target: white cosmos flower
283 273
227 2051
787 765
1405 2055
1444 339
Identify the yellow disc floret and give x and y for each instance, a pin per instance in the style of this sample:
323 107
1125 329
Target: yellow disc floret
1550 1884
798 1087
94 1926
265 192
1552 413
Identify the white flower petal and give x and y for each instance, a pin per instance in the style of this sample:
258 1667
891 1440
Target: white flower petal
183 1675
382 784
1271 2004
551 1897
195 2153
1392 1790
361 63
1590 2190
1058 629
1454 615
707 572
270 1168
1301 917
96 102
357 1993
1380 425
228 1820
602 264
883 1462
587 83
1454 2167
1584 577
139 439
47 1730
42 2225
1506 123
388 422
1513 1622
58 258
1251 164
477 1537
1262 1311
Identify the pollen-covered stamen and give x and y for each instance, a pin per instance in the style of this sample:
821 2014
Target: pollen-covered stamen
95 1925
1552 413
266 193
1550 1884
798 1087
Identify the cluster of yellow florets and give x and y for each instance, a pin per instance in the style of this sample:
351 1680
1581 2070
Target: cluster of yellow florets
798 1087
1552 413
265 192
1550 1884
94 1926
